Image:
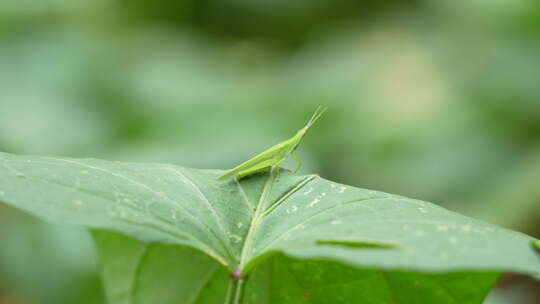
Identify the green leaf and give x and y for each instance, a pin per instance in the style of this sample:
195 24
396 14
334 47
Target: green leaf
136 272
244 225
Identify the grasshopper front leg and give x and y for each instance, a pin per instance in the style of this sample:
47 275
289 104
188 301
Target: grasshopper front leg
298 161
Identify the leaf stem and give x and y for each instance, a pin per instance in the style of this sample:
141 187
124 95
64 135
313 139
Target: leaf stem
259 211
239 291
235 290
229 298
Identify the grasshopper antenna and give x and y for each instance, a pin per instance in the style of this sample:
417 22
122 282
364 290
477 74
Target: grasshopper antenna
318 113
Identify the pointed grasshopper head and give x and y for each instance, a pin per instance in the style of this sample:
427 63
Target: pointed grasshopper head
298 137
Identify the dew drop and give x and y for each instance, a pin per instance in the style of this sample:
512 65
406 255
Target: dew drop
309 191
235 238
292 209
420 233
84 172
342 189
453 239
2 193
314 202
466 228
442 228
422 210
335 222
239 225
78 202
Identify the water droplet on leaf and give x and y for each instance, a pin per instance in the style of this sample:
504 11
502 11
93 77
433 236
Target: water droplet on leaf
314 202
442 228
422 210
466 228
292 209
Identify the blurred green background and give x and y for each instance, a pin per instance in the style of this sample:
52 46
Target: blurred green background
436 100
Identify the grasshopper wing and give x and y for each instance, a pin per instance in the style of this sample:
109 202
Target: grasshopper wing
265 159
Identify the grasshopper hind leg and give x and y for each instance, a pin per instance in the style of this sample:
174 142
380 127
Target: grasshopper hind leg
266 165
257 168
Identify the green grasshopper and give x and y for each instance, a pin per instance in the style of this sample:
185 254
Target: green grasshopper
274 156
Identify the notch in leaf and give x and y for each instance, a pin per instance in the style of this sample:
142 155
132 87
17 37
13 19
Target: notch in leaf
535 244
357 244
